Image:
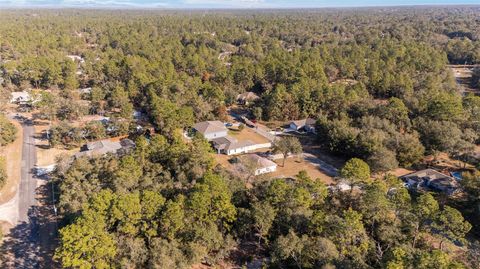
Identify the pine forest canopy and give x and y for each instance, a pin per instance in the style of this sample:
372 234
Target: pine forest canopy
376 80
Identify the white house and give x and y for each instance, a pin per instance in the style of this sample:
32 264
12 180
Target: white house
307 124
246 97
263 166
211 129
85 90
230 146
20 97
76 58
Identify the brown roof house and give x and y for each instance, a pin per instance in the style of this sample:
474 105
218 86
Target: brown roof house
211 129
431 180
247 97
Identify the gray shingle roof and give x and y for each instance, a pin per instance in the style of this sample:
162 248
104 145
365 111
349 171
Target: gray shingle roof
208 127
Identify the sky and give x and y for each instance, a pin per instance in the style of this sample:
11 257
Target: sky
252 4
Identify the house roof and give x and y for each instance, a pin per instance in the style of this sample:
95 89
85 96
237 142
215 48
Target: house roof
221 143
23 96
262 162
208 127
303 122
85 90
444 183
247 96
230 143
433 178
241 144
429 174
105 146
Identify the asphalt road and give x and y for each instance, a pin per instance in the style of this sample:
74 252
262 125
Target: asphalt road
28 182
22 247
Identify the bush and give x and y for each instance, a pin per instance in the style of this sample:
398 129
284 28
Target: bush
3 172
8 131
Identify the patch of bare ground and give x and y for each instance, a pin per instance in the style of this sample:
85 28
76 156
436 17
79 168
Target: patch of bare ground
398 172
47 155
13 157
312 146
443 162
294 165
5 227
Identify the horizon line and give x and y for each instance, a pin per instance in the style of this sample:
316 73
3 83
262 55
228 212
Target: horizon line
180 8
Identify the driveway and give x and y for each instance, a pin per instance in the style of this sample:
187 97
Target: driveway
325 167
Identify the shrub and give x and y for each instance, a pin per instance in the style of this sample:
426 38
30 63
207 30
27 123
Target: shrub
8 131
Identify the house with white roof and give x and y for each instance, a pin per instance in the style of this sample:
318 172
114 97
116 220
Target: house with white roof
87 90
211 129
246 97
20 97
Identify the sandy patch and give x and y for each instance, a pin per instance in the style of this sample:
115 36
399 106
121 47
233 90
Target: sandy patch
13 157
294 165
45 155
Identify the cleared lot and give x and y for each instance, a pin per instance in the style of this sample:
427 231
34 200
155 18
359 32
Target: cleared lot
293 166
13 157
45 155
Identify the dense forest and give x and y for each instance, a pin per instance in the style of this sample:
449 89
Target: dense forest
376 80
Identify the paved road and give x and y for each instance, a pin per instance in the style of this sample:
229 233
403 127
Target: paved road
27 205
21 249
28 182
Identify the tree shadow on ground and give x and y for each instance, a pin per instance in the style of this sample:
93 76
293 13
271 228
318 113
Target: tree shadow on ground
31 244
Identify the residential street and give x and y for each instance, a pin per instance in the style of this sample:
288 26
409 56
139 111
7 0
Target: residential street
29 244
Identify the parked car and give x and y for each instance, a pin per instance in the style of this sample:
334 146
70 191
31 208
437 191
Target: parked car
228 124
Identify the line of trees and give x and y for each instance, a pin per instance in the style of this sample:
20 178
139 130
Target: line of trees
166 206
376 80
